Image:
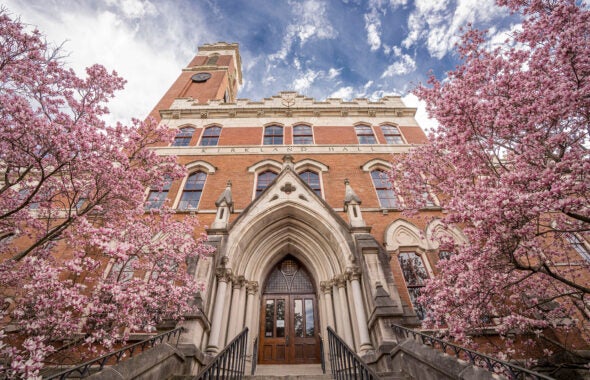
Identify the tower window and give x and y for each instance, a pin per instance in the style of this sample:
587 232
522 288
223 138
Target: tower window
157 197
313 180
211 136
415 275
273 135
212 60
365 134
183 137
392 134
385 193
302 134
264 179
193 188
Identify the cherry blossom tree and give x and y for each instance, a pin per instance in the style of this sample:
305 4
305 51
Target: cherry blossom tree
81 262
510 163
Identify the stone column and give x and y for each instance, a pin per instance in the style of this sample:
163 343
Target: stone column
251 290
326 287
235 317
344 310
223 277
359 307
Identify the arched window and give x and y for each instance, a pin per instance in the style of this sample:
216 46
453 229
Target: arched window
264 179
212 60
392 134
385 193
302 134
210 136
183 137
193 188
313 180
157 197
415 275
273 135
365 134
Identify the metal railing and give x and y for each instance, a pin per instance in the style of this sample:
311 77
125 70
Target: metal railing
95 365
511 371
230 363
323 360
345 363
254 356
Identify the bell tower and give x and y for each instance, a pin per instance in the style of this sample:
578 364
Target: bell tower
215 73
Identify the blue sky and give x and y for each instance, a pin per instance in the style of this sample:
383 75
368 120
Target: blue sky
331 48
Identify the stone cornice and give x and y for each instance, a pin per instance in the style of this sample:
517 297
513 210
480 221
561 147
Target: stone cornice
281 149
288 104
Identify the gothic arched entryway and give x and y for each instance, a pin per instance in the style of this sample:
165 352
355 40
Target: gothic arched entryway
289 326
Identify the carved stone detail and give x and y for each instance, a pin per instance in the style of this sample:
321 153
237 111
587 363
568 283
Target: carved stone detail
252 287
326 287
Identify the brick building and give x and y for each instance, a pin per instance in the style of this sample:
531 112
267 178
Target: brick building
292 191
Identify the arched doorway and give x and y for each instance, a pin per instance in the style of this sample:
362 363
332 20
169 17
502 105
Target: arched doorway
289 325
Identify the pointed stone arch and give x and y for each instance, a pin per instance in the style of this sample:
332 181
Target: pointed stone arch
402 233
436 230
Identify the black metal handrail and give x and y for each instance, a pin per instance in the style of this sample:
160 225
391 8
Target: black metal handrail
254 356
230 363
345 363
99 363
512 371
323 360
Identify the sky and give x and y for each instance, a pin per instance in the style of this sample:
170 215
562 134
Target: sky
319 48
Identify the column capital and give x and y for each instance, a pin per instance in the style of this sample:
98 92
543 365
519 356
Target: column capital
223 274
326 287
252 287
340 280
353 273
238 281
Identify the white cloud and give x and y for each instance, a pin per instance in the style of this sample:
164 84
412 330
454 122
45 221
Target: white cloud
428 124
309 21
150 60
404 65
133 8
304 82
439 22
373 26
333 73
397 3
343 92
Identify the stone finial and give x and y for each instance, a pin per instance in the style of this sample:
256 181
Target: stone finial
226 197
349 195
288 162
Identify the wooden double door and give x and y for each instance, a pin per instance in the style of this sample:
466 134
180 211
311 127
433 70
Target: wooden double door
289 329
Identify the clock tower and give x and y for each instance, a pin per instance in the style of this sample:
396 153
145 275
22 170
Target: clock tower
215 73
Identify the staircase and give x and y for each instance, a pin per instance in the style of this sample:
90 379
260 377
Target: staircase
289 372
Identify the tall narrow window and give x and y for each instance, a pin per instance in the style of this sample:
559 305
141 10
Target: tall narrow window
365 134
578 245
385 193
211 136
273 135
392 134
415 275
212 60
122 270
264 179
157 197
313 180
302 134
193 188
183 137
